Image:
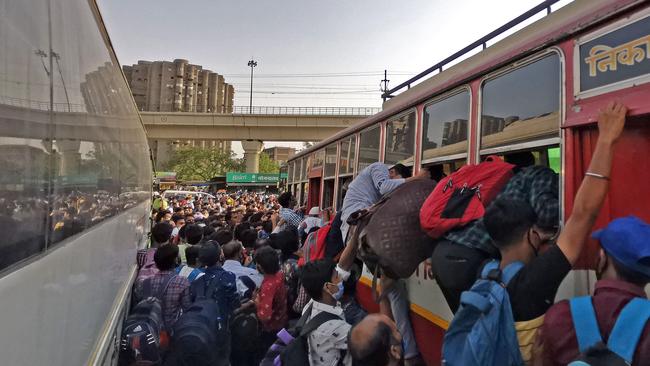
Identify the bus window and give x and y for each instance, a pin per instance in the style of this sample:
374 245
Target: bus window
344 182
400 138
290 171
330 161
445 127
346 162
522 105
369 147
440 170
297 170
328 193
306 166
318 158
548 156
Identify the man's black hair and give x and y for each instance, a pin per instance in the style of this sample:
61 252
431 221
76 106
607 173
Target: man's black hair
402 170
629 275
209 253
208 230
248 238
372 351
314 275
521 159
239 229
176 217
267 258
286 241
256 217
285 199
161 232
165 257
507 220
223 236
193 234
192 255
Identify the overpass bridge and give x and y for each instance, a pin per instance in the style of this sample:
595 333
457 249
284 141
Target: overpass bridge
40 121
263 124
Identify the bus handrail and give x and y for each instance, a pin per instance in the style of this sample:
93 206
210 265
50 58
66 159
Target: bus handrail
545 5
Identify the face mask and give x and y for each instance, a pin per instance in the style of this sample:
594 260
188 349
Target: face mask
339 293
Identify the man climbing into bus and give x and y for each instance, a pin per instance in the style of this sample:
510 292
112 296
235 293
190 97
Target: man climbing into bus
623 270
512 224
366 189
458 256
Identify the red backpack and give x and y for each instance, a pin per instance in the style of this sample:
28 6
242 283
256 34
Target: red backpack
463 196
315 244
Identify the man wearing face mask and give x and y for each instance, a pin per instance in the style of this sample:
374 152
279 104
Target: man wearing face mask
328 343
623 270
375 341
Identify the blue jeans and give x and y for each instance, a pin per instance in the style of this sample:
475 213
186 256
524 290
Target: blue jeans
398 297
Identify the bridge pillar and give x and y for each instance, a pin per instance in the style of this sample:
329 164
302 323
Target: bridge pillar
252 150
71 157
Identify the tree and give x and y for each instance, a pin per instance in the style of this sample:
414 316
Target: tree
268 165
197 163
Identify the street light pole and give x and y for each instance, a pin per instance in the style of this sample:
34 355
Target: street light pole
252 64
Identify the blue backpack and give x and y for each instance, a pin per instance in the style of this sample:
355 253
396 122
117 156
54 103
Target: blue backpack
482 332
623 339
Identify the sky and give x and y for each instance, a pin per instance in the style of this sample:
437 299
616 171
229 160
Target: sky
328 53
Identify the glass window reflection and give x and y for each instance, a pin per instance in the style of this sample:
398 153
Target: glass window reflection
369 147
445 127
522 105
330 160
400 140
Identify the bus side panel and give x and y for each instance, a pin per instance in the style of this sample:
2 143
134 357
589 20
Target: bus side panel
428 336
629 177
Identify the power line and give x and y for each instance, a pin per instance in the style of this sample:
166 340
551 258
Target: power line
309 93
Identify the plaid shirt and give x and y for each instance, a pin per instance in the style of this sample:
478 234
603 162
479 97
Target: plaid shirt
290 217
175 299
537 185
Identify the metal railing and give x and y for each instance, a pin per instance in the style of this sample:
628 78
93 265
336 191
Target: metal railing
546 5
42 105
329 111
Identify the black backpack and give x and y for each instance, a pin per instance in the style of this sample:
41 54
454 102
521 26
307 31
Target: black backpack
199 332
143 333
292 348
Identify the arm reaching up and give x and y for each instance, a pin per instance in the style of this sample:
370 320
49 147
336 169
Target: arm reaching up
594 186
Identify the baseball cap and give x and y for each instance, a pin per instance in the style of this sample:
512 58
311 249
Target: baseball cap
314 211
627 239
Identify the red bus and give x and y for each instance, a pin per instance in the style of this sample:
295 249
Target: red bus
536 90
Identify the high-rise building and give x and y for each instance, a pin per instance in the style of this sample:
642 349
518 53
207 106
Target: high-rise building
178 86
279 153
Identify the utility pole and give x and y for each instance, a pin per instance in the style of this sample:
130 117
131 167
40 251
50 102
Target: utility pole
252 63
384 88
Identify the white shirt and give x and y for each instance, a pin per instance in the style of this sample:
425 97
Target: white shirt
238 270
311 222
330 340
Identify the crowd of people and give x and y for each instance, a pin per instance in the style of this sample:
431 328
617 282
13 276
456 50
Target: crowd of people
245 251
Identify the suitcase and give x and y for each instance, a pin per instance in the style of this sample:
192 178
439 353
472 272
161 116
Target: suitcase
391 240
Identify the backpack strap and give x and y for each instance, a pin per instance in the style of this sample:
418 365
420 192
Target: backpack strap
584 322
628 328
504 275
316 322
510 271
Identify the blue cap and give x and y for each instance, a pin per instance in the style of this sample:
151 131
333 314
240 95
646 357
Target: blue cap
627 239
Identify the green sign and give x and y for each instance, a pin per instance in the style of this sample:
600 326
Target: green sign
284 175
252 178
166 176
